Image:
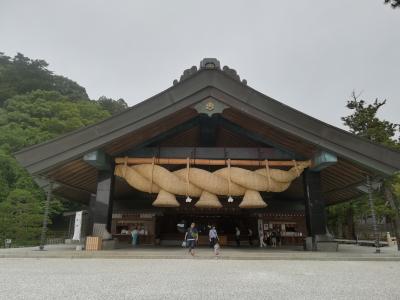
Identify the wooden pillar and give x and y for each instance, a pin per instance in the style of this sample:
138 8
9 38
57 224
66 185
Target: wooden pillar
314 204
101 206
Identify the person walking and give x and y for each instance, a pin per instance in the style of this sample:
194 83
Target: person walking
237 236
191 238
250 236
261 236
213 236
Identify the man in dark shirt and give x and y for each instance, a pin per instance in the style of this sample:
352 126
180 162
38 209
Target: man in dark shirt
191 238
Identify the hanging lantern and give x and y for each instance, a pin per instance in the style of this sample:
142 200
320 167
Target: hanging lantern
230 199
165 199
188 199
208 200
252 199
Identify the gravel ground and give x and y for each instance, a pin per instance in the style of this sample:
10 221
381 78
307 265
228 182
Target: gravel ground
196 279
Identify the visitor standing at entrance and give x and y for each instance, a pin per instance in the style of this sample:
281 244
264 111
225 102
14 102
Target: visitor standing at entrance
237 236
250 236
135 235
191 238
273 239
213 236
279 238
267 237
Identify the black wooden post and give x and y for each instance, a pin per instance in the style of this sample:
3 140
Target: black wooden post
102 204
314 204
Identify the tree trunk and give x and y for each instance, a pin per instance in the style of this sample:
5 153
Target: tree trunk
396 219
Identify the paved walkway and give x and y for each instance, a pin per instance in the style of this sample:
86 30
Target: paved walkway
345 253
193 279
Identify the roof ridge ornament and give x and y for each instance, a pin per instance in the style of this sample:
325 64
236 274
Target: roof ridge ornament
233 74
209 64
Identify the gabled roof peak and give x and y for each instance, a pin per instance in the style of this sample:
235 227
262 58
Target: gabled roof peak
209 64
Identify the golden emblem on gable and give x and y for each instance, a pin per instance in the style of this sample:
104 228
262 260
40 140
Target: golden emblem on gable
210 106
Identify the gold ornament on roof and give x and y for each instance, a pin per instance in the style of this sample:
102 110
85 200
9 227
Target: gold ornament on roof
210 106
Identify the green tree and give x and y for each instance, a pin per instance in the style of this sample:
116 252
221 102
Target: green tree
364 122
393 3
20 75
21 217
112 106
38 116
69 88
35 106
26 120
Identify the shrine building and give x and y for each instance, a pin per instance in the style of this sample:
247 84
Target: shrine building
214 151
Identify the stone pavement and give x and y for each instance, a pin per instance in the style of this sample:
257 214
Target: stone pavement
60 278
345 253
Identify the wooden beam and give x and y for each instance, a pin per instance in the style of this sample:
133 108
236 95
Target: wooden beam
208 162
211 153
98 159
165 135
322 160
353 185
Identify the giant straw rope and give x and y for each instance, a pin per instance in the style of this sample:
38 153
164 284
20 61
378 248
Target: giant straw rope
195 182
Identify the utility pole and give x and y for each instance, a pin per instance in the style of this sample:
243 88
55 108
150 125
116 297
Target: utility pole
373 215
46 215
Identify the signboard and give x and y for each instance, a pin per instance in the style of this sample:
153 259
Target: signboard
78 226
117 216
146 215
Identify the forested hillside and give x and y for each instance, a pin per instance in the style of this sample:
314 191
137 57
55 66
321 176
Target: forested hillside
36 105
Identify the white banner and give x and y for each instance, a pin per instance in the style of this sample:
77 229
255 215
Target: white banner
78 226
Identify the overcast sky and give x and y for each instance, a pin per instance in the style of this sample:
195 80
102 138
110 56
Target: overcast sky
307 54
